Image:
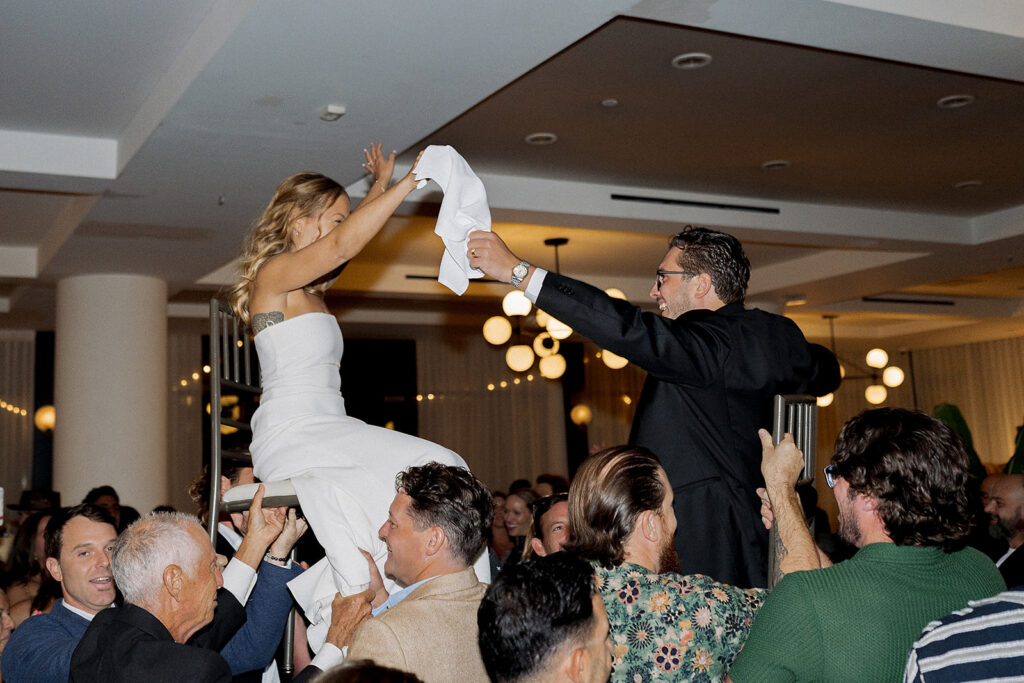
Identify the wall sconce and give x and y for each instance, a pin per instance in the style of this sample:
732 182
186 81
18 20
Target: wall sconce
45 418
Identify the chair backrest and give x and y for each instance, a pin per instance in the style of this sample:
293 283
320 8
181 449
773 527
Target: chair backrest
797 415
231 369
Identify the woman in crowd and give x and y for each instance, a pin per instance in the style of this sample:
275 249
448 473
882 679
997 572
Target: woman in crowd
518 519
6 624
26 566
342 469
500 543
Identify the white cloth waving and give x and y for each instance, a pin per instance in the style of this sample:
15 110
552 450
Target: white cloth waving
463 209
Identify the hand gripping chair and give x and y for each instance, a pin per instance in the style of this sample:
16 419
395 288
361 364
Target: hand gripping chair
796 415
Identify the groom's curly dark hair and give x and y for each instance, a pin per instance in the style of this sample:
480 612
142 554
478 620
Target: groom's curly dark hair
453 499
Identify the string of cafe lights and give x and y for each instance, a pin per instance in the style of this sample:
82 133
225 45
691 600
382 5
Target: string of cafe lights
13 409
611 361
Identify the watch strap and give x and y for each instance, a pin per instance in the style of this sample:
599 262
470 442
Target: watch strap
518 279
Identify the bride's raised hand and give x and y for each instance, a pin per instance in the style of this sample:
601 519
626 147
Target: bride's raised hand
409 176
380 166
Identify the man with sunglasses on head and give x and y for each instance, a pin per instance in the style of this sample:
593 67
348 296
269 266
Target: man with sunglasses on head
713 369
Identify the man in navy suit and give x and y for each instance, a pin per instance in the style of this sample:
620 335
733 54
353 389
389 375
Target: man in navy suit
713 369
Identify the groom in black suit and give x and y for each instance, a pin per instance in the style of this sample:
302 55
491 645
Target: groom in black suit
713 368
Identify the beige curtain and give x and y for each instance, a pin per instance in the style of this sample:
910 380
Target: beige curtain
612 396
505 432
985 380
184 421
17 394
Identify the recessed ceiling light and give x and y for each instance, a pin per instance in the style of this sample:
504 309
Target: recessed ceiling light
775 165
691 60
964 184
954 101
541 139
796 300
610 102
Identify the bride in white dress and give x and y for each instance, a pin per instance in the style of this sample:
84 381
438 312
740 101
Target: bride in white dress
342 469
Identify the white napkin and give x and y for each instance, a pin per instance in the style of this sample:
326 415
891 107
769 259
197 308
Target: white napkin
318 580
463 209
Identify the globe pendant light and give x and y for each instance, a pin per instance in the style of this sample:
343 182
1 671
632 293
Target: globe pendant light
516 303
497 330
519 358
545 345
893 376
552 366
877 358
558 329
613 361
875 394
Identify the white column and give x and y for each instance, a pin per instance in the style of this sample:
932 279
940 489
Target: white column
110 388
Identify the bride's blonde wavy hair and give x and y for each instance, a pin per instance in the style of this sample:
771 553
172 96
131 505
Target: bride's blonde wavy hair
300 196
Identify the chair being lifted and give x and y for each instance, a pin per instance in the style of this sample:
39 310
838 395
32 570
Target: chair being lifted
795 414
232 370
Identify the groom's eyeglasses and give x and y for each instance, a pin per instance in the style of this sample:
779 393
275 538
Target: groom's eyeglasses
660 279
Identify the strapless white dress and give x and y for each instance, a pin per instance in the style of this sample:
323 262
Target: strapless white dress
343 469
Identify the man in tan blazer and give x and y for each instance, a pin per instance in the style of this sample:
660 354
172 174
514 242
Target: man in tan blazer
436 527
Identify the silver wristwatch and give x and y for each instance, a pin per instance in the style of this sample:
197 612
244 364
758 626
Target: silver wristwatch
519 271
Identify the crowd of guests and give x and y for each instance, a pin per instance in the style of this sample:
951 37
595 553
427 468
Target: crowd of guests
585 581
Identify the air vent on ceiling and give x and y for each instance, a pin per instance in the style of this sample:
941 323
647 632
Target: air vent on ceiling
687 202
915 302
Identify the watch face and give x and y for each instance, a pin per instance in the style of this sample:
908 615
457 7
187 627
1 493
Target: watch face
520 270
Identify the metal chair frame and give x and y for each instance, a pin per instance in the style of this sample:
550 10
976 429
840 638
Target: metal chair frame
231 368
795 414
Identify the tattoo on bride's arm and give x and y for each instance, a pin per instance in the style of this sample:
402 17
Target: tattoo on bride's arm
261 321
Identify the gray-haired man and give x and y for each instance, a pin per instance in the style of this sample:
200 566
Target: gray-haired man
170 577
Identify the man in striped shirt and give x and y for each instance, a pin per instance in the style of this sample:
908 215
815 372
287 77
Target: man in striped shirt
984 641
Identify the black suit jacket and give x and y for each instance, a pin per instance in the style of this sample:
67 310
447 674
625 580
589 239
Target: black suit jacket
129 644
1012 568
711 379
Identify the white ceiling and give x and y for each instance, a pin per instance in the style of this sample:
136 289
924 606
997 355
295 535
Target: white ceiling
145 135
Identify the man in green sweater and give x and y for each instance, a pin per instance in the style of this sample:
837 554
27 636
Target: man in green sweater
900 482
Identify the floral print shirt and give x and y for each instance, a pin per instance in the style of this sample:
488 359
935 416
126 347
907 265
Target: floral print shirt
670 627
